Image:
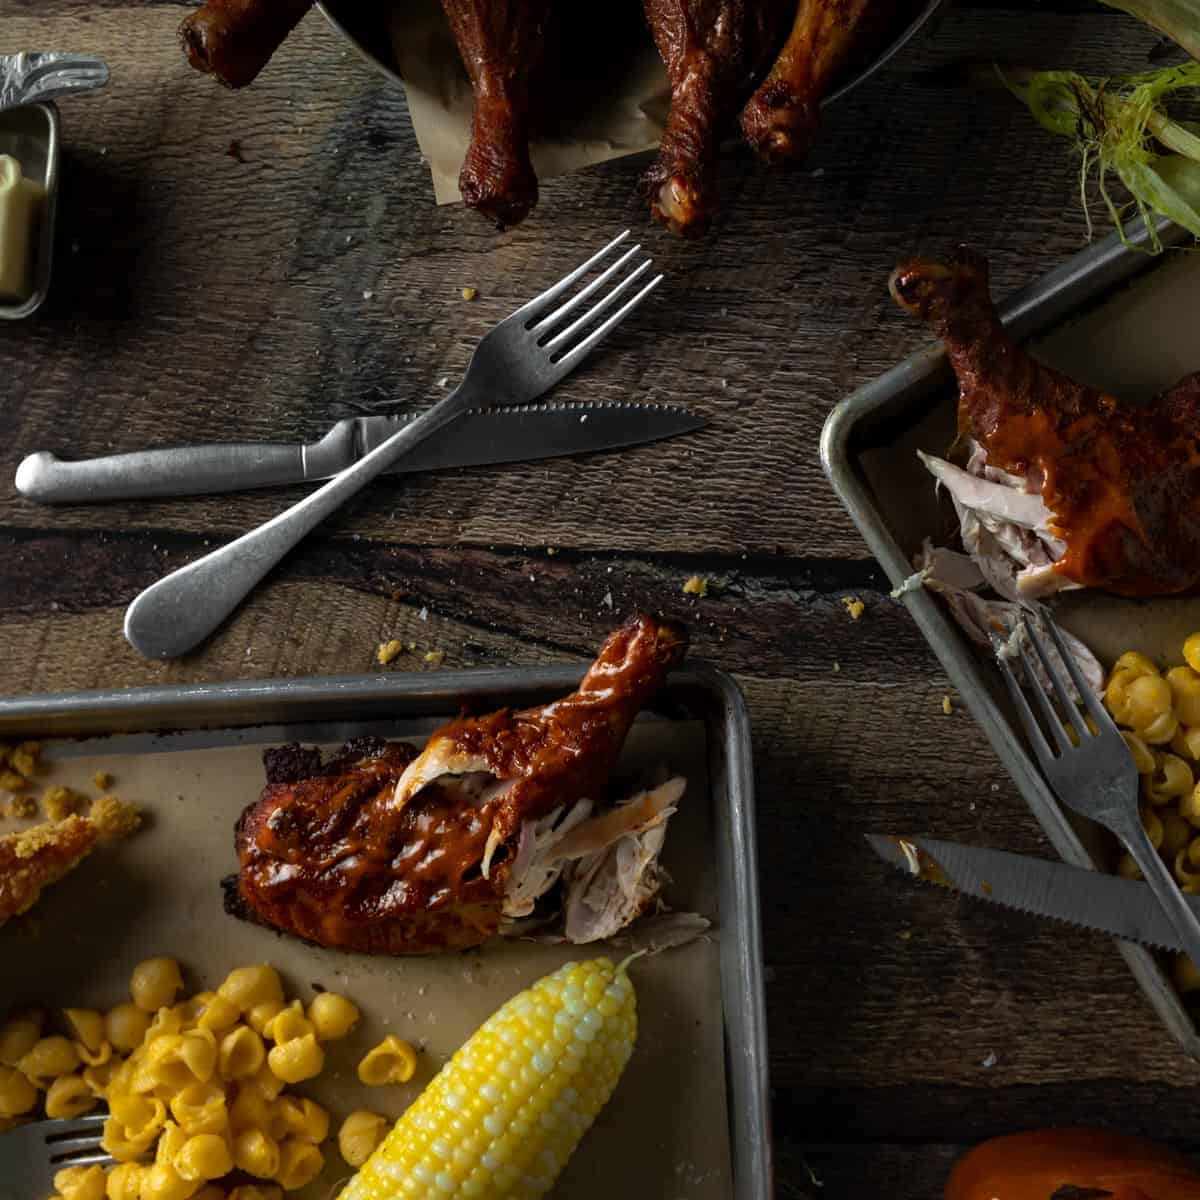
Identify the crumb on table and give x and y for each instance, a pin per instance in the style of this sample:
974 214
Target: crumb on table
697 585
435 658
60 802
388 651
854 606
947 707
113 817
469 293
102 780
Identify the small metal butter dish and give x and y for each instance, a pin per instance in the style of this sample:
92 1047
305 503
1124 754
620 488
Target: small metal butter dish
30 135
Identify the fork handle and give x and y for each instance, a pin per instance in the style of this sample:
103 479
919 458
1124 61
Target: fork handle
1166 890
178 612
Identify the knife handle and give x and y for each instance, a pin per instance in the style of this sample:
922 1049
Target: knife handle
178 471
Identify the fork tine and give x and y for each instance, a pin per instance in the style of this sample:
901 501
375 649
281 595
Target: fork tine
1095 709
539 303
575 301
81 1132
599 307
82 1160
1032 729
577 354
1054 674
1042 702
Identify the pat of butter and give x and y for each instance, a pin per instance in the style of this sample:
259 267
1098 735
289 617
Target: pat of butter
20 207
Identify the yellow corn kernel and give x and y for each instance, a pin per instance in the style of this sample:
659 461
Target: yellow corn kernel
1147 700
261 1015
332 1016
296 1060
360 1134
249 987
288 1024
300 1117
511 1105
201 1108
88 1027
124 1182
202 1157
50 1058
125 1026
18 1035
242 1053
155 983
1135 663
392 1061
162 1182
17 1094
256 1153
80 1183
299 1164
69 1097
217 1013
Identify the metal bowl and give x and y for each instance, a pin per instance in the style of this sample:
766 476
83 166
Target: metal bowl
363 26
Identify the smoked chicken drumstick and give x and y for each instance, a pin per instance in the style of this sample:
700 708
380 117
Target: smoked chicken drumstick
386 851
234 39
501 43
781 119
715 51
1120 482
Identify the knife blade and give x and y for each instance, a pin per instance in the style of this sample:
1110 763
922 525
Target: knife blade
1124 908
480 438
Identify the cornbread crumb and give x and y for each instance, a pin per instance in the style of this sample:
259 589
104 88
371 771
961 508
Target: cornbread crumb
947 707
435 658
388 650
103 781
22 806
113 818
36 857
854 606
697 585
60 802
469 293
24 758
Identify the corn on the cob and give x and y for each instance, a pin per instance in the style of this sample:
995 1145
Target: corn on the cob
501 1118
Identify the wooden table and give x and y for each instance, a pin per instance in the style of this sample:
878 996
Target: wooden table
201 295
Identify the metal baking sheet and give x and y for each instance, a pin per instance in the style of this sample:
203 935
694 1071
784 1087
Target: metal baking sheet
194 750
30 135
1082 317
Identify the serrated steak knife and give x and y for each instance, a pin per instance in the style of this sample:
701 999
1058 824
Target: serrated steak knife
505 435
1124 908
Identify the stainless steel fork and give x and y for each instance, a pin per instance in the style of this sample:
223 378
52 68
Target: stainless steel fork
34 77
514 363
30 1155
1094 774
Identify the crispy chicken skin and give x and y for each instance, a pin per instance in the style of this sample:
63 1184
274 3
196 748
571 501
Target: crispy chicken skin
781 119
1121 480
235 39
501 43
388 852
715 51
34 858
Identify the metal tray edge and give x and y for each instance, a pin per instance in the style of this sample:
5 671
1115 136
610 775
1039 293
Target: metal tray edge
248 702
1027 312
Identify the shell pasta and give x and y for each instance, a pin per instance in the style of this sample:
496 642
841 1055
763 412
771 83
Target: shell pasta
195 1086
